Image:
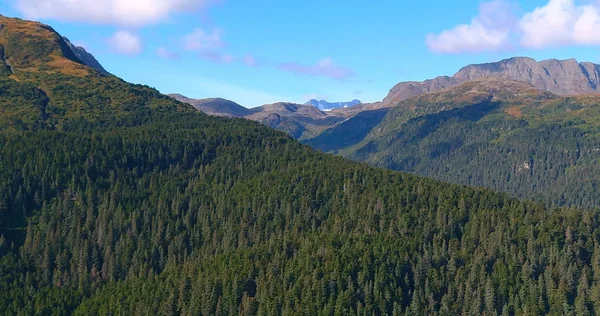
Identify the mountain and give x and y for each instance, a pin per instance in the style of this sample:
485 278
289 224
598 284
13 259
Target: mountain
85 57
116 199
562 77
298 120
541 145
215 106
328 106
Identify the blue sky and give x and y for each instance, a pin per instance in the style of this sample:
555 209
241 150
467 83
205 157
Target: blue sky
257 52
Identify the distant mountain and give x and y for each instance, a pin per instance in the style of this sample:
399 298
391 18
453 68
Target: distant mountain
215 106
328 106
298 120
562 77
85 57
336 126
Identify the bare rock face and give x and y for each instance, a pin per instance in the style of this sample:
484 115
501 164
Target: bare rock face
410 89
563 77
85 57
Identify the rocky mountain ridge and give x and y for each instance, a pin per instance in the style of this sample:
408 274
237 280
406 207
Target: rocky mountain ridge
566 77
562 77
84 56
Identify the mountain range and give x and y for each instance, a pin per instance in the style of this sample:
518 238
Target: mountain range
298 120
116 199
501 104
561 77
328 106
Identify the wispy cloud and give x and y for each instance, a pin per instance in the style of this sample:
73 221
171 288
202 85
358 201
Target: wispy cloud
201 40
208 44
558 23
227 58
217 57
165 53
324 68
121 12
126 43
250 61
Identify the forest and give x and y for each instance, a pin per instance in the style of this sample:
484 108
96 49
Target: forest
115 199
192 214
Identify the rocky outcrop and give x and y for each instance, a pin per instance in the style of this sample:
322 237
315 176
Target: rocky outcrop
563 77
86 58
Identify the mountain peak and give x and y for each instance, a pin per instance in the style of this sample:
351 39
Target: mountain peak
30 47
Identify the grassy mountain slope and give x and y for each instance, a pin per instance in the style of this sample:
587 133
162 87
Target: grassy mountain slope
123 201
61 89
494 133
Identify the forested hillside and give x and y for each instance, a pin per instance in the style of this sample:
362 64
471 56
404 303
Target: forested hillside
495 133
115 199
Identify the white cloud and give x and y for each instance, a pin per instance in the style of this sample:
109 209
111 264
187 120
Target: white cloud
490 30
559 23
124 42
200 40
122 12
